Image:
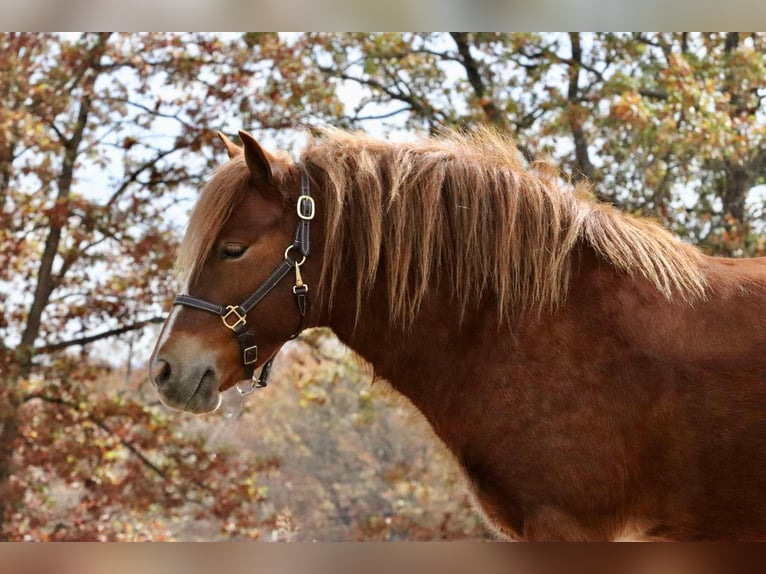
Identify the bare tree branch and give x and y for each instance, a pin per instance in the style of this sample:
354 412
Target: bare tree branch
382 116
50 348
494 114
582 158
418 106
45 280
105 427
100 423
653 94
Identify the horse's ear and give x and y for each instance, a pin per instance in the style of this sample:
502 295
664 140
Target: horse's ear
231 148
257 159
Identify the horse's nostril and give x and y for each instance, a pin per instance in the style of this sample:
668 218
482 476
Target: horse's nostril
161 372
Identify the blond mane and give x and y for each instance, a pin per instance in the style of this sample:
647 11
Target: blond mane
463 210
458 210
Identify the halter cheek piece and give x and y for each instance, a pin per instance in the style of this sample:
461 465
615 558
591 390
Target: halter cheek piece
235 316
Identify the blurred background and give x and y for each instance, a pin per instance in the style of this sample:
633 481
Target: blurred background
393 15
105 140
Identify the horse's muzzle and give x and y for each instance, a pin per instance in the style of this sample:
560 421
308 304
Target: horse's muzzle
191 388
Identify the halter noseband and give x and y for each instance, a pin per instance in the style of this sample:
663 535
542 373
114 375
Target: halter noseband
235 316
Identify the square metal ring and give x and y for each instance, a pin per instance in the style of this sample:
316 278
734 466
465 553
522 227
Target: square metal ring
245 353
232 310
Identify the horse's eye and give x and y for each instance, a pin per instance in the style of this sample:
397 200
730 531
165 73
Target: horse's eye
233 251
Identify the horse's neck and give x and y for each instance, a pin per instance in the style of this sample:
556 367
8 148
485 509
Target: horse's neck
445 356
428 361
725 330
609 318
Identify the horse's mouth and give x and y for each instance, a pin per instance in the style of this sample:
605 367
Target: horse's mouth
204 399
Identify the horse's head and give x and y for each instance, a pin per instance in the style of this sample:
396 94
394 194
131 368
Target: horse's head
240 256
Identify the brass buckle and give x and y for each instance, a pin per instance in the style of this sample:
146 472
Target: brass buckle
312 207
240 319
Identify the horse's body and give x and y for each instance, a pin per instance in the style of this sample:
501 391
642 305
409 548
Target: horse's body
611 383
619 415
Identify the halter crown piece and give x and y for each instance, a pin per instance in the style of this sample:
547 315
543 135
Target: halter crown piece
234 317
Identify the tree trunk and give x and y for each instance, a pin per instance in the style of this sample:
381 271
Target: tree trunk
9 433
738 178
495 116
46 282
583 166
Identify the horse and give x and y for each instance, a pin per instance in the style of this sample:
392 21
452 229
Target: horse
595 377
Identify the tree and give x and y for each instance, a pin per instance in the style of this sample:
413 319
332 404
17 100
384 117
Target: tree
105 137
84 257
667 125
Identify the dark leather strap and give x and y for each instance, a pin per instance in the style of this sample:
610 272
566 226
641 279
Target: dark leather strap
198 303
279 273
247 344
305 209
263 378
302 302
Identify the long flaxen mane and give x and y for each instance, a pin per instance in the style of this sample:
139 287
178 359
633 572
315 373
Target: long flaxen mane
460 210
463 210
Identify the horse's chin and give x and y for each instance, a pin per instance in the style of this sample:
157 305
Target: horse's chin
196 405
207 407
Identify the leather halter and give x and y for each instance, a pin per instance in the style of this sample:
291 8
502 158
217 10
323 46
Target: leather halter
234 317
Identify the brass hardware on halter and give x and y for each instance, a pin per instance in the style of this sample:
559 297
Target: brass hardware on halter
306 199
245 392
298 279
241 319
299 284
250 355
293 261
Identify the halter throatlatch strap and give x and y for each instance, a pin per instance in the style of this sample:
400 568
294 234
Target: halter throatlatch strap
234 317
306 210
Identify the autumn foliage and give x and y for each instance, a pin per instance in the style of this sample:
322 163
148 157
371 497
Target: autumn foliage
105 140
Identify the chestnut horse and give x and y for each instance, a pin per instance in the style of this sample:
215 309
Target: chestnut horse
596 378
